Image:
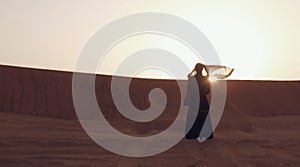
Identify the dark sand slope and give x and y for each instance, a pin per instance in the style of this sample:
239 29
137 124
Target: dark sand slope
260 125
49 93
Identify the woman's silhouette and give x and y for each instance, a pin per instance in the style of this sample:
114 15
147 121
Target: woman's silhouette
198 86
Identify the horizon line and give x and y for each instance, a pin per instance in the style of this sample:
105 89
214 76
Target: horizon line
70 71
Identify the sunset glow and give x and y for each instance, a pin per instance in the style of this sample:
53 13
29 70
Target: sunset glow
254 37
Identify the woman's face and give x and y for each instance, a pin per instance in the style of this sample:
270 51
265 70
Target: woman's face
201 70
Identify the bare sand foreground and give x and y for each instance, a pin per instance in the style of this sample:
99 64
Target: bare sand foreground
41 141
260 125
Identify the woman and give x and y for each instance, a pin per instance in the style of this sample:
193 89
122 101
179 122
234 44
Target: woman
198 111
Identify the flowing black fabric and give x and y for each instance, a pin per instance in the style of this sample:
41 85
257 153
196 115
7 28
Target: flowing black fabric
197 114
197 126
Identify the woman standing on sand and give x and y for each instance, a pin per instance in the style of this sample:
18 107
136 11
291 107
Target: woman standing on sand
198 81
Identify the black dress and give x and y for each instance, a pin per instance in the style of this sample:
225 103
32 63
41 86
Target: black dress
198 114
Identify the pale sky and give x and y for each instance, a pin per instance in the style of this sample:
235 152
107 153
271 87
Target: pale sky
259 38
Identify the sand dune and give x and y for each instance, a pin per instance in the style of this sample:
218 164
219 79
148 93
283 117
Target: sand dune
49 93
259 126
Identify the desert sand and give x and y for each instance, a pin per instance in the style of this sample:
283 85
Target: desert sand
39 127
